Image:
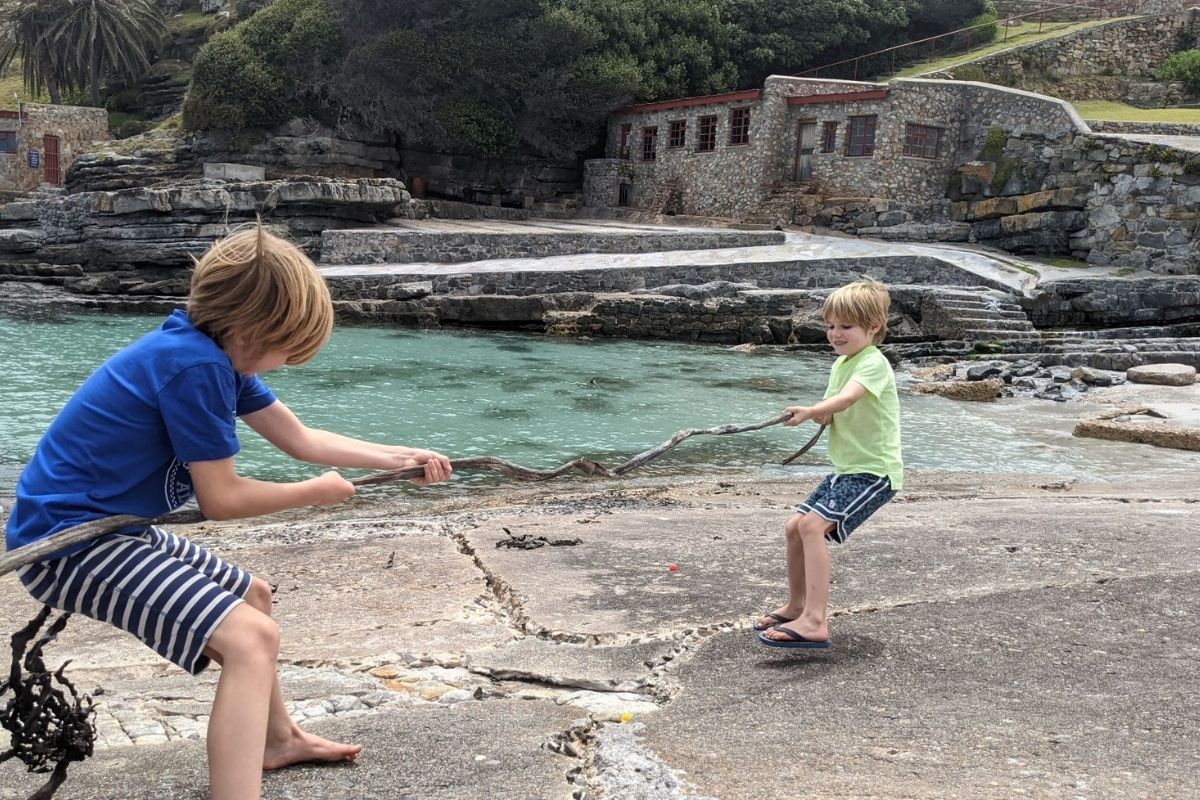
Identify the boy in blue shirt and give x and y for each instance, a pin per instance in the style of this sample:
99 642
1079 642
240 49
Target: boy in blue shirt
862 410
154 426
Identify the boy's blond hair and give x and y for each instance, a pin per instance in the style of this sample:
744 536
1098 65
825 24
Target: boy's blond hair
863 303
262 290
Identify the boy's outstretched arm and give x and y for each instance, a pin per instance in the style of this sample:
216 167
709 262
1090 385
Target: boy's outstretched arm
223 494
278 425
824 410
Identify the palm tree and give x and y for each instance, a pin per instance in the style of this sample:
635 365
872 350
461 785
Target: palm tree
107 36
25 31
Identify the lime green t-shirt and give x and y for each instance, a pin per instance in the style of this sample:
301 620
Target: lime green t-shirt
866 436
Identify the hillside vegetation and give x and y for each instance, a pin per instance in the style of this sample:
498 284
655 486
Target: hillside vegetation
501 77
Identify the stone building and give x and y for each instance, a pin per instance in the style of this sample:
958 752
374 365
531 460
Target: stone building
722 155
38 142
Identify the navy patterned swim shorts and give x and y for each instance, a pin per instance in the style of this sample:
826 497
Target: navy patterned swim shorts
847 501
169 592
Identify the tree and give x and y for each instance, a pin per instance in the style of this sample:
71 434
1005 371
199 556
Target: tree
24 34
496 78
265 69
101 37
681 48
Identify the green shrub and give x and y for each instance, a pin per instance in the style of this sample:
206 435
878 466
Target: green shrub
971 72
477 128
122 125
994 142
126 100
249 76
1183 67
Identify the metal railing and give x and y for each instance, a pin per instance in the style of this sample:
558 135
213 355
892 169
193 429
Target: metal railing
1101 7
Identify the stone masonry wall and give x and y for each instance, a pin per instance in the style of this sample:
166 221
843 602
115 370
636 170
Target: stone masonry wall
720 183
1124 47
1073 11
1153 128
358 246
75 126
1110 200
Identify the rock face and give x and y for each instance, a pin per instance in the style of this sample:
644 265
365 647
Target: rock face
295 148
1163 374
156 230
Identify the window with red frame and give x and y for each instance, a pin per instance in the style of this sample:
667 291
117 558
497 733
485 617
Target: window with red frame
650 143
623 147
677 134
739 126
706 142
921 141
829 137
861 138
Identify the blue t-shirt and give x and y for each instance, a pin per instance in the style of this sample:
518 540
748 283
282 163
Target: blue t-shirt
122 443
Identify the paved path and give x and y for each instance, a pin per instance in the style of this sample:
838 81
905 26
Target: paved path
995 636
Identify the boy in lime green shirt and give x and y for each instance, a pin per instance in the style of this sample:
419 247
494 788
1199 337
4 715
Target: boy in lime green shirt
863 413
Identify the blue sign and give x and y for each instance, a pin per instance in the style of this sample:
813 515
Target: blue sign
35 159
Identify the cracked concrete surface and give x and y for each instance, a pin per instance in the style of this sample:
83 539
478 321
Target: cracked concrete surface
993 637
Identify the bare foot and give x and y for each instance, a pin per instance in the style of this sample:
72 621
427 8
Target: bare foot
304 746
781 614
814 633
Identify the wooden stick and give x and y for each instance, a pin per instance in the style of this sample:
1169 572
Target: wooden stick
98 527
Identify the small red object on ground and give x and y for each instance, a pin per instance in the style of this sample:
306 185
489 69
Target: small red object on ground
672 567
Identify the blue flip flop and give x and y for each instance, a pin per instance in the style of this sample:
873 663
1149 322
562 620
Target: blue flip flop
779 618
797 641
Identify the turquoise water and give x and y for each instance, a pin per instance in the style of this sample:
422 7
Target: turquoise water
541 402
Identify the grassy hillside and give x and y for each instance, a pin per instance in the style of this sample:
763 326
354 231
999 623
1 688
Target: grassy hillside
1119 112
12 89
1022 35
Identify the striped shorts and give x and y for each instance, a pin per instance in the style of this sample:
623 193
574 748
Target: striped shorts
169 592
847 501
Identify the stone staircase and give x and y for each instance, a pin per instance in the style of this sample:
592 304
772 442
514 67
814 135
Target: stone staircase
779 207
974 315
1111 349
45 192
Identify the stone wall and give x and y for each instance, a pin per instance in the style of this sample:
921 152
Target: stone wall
1074 11
723 182
416 246
1110 200
1124 47
1153 128
76 128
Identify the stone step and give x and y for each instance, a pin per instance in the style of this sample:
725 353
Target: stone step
986 313
965 304
997 324
1111 361
984 334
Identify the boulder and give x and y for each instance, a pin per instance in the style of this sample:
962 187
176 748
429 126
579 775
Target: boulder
1124 429
978 391
1097 377
1162 374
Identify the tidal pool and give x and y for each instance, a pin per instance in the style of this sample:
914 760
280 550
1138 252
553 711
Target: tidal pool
541 402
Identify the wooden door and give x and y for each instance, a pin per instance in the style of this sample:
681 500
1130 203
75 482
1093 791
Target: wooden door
53 175
806 143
